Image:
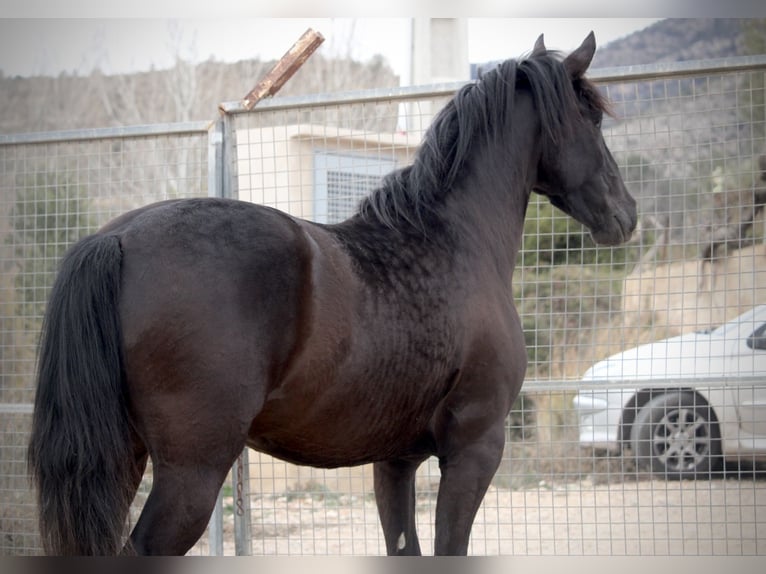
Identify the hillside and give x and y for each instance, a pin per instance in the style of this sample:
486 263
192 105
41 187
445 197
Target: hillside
676 40
183 93
675 133
188 92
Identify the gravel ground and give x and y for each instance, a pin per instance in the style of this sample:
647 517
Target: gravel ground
650 517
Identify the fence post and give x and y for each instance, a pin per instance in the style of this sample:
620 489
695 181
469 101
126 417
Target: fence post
230 185
215 166
215 159
222 183
215 528
243 542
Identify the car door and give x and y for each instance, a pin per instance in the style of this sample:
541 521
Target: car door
751 395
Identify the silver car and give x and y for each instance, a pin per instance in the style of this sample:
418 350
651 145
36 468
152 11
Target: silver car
681 406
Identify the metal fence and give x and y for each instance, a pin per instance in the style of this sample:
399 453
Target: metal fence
688 138
54 189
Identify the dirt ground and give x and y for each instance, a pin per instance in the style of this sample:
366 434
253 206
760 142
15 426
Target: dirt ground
548 498
650 517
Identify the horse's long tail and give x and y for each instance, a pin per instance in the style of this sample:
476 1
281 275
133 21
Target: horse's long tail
80 452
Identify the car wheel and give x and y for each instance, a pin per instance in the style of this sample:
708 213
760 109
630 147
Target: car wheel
676 436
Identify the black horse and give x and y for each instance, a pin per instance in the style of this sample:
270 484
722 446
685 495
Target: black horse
189 329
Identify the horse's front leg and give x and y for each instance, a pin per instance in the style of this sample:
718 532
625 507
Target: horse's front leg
395 497
466 472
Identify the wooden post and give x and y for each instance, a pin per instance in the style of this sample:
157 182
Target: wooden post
284 68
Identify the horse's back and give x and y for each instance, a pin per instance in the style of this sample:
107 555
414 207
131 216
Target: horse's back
210 258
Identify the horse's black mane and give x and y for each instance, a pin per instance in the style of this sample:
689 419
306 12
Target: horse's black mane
479 108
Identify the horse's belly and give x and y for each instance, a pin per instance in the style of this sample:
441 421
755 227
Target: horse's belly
352 451
299 454
337 432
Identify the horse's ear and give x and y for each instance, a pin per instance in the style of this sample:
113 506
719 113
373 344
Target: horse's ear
539 48
578 61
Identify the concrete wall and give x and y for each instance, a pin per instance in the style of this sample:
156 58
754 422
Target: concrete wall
276 164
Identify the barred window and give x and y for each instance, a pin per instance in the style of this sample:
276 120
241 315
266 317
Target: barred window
341 181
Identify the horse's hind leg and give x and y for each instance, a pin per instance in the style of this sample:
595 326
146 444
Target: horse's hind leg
191 456
178 508
395 497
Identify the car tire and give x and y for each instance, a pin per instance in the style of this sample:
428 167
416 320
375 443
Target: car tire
676 436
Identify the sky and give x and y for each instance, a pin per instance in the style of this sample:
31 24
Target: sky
119 45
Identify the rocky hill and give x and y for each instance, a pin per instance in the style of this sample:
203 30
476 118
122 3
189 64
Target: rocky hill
188 92
678 39
182 93
691 144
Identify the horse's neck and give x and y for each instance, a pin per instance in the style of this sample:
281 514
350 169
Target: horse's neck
491 201
480 220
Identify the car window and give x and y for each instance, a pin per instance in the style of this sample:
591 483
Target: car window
757 339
